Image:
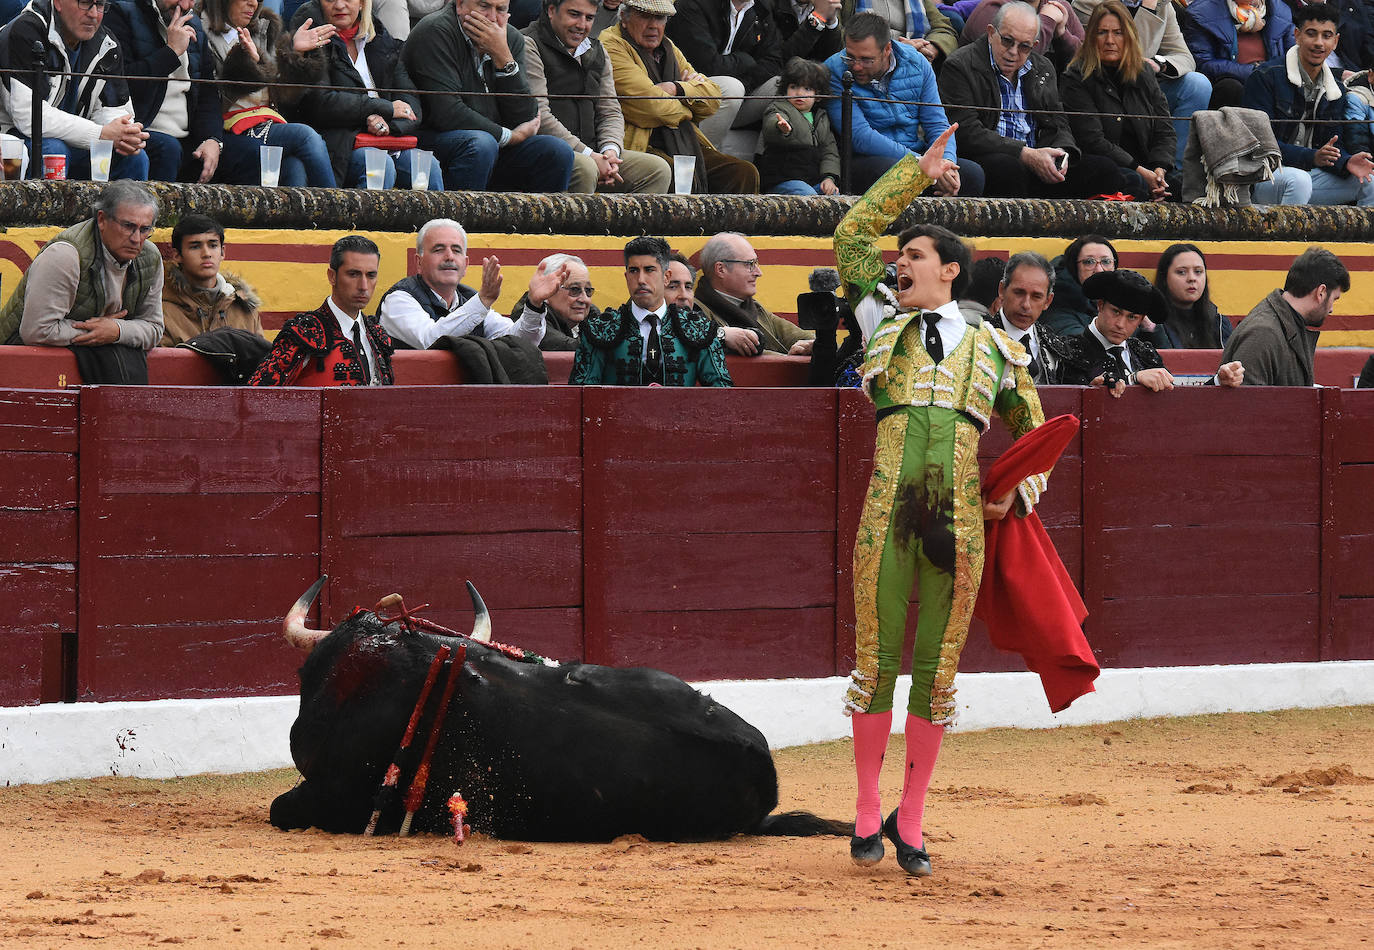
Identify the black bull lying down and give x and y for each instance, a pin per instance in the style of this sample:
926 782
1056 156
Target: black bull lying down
573 752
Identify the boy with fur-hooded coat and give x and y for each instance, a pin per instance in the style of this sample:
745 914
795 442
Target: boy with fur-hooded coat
189 311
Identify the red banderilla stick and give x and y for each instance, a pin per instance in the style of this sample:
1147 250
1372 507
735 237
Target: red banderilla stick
416 793
393 771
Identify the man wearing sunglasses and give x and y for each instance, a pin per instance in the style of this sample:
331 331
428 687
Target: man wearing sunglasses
1004 97
87 100
96 286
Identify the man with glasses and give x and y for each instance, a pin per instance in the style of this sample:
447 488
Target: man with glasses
87 100
433 306
566 308
729 279
97 288
1005 99
884 130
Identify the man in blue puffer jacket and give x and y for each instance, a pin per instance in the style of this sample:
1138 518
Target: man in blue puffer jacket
883 132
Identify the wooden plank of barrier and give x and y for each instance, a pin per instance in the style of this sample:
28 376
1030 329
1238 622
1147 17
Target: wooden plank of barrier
166 610
710 581
38 543
1349 547
426 488
854 464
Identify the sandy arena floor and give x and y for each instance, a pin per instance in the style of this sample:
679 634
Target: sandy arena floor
1217 832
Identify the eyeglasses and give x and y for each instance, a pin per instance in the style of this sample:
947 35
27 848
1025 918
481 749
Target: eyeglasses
128 227
748 265
580 290
1096 262
98 5
861 60
1009 42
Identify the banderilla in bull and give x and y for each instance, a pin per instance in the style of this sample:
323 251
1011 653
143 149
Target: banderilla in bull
387 792
416 794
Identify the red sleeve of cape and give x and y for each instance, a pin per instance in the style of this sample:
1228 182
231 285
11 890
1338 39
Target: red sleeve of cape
1027 598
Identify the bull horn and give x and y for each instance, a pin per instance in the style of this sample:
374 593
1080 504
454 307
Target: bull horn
481 622
293 628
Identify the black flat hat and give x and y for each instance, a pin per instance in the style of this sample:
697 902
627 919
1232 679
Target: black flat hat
1129 291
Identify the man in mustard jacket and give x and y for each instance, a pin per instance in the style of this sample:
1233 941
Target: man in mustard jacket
647 64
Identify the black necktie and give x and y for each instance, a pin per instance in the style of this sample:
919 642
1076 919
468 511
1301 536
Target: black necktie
934 346
1034 367
653 353
362 353
1121 370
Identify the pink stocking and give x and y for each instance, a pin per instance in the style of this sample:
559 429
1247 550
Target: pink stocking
871 731
922 748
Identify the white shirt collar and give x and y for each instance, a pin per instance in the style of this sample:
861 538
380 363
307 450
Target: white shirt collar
642 315
1108 344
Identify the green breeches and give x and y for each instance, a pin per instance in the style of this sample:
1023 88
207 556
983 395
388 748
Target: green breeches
922 527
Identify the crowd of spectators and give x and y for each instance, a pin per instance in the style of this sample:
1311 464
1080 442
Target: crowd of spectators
103 289
1053 99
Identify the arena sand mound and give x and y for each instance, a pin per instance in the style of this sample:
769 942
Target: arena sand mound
1236 831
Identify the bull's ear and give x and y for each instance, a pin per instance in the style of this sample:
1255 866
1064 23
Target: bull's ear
481 621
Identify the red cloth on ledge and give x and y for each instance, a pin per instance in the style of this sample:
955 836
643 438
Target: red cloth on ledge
1027 598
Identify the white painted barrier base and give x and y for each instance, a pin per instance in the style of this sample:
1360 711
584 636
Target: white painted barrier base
174 737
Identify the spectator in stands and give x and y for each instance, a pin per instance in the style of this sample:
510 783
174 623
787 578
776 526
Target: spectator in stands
649 341
679 281
561 57
1366 380
664 97
197 296
729 279
809 29
884 131
1194 322
361 55
338 343
567 307
1308 105
1061 32
1167 55
1025 294
165 42
86 100
483 142
918 24
1355 48
1071 311
431 306
979 298
1023 153
1109 76
1277 340
800 155
251 50
96 287
1229 38
1109 350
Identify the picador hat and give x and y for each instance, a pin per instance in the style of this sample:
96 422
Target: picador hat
652 7
1129 291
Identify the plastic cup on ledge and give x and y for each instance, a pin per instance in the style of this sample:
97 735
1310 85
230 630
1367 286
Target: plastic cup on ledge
270 158
376 168
420 161
684 170
11 159
102 152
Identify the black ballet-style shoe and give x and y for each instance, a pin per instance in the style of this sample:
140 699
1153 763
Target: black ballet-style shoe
866 852
913 861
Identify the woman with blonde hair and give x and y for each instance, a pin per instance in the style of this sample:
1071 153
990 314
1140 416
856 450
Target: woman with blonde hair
1130 123
377 111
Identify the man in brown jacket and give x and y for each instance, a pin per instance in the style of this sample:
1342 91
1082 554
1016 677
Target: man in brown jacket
196 296
664 97
729 278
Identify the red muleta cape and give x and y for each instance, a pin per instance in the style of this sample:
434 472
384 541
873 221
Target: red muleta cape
1027 598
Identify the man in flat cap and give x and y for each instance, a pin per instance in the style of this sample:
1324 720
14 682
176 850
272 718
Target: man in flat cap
664 98
1108 353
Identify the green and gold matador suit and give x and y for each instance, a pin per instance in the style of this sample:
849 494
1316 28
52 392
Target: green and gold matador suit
922 518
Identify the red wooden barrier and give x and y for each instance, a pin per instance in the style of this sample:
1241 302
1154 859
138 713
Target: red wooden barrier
38 551
1350 539
426 488
199 519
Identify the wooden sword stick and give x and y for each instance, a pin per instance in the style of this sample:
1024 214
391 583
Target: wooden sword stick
387 791
416 793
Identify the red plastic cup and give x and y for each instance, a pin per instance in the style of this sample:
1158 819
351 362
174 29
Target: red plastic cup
55 167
